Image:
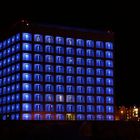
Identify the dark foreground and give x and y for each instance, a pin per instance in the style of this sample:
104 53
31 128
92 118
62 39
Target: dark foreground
29 130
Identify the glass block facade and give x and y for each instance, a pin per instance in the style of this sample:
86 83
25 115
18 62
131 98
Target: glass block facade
55 77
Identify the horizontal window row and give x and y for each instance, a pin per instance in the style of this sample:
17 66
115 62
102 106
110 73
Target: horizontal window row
37 116
9 41
10 70
69 98
10 89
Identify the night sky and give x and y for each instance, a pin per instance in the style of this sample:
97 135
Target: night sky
123 20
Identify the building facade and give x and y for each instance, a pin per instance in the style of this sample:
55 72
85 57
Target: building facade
50 73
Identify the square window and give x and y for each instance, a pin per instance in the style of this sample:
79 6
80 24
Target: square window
26 36
70 41
26 47
27 56
38 38
49 39
59 40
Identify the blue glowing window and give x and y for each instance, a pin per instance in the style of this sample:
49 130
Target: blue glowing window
49 108
90 71
80 108
26 87
99 53
59 108
38 58
18 66
90 108
13 49
99 117
27 66
0 64
80 99
38 48
17 47
59 98
4 70
26 47
70 89
70 70
4 62
27 56
109 72
99 81
38 77
38 38
109 100
60 59
69 60
100 72
0 82
4 44
17 87
109 82
59 117
109 90
4 90
49 58
109 109
27 77
4 100
26 36
17 107
70 108
100 108
80 117
99 44
90 62
13 108
49 78
8 89
4 53
90 117
0 45
1 91
26 107
49 39
109 54
59 40
59 88
13 88
38 107
8 108
90 80
38 68
89 52
80 89
49 88
59 69
49 49
37 117
17 116
69 51
49 117
109 45
70 98
80 42
90 43
90 90
109 63
38 87
80 70
4 80
80 80
13 58
99 63
12 79
26 116
109 117
49 68
60 78
9 42
70 79
8 60
17 57
100 99
90 99
59 50
26 97
70 41
13 39
0 73
80 52
8 51
17 77
38 97
80 61
49 97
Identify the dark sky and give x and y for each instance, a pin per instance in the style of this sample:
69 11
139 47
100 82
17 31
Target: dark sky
122 19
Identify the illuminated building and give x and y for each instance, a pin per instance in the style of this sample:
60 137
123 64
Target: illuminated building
56 73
